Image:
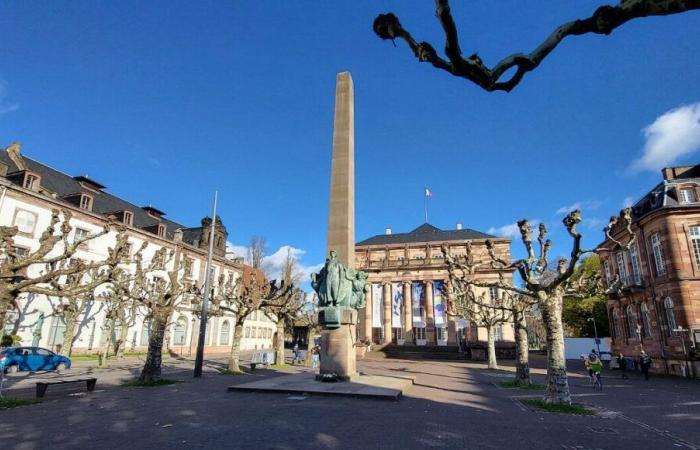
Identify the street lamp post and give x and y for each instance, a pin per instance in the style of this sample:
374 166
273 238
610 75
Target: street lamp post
595 332
199 358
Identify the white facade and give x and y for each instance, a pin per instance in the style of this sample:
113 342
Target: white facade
40 324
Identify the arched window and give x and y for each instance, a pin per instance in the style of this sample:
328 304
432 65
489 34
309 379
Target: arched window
180 331
247 332
631 322
670 316
225 329
646 324
616 324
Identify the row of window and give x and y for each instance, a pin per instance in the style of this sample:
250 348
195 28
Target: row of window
636 323
632 256
257 333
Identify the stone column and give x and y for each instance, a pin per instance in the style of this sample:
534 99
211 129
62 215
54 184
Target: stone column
429 314
368 312
451 331
387 312
407 312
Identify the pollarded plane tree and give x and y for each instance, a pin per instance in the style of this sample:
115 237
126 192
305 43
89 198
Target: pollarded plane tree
52 269
548 287
500 77
465 302
285 309
159 287
249 293
502 306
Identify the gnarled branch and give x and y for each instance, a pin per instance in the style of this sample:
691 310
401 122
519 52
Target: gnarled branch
604 20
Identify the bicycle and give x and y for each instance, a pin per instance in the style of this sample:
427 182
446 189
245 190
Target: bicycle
597 382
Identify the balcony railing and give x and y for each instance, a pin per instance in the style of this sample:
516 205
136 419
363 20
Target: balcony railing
415 262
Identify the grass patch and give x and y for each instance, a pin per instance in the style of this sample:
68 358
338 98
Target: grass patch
565 409
280 366
96 357
159 382
7 403
231 372
514 385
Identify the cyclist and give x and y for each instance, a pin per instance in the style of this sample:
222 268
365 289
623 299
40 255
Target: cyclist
596 366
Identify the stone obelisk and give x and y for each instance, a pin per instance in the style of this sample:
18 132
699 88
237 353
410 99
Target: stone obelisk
341 214
337 344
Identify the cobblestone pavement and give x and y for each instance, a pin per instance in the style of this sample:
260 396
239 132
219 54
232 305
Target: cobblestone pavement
452 405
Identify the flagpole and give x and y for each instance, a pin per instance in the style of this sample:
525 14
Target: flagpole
199 359
425 200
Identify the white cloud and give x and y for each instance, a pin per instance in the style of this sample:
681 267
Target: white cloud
6 107
273 263
511 230
584 205
674 134
627 202
593 223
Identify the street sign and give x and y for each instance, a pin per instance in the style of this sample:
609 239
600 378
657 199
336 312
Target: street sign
597 341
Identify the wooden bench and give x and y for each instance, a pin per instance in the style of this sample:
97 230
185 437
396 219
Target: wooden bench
41 386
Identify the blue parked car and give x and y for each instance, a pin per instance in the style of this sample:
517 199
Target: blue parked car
14 359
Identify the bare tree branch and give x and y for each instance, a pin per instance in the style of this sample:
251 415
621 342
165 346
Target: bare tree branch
604 20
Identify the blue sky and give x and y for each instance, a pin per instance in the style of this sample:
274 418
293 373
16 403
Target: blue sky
164 102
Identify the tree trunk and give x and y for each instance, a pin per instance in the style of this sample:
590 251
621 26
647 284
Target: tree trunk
166 334
522 359
557 381
123 337
235 356
493 364
279 351
104 351
154 358
71 322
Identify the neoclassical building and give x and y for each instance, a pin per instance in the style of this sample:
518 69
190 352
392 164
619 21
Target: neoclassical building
406 274
30 190
654 287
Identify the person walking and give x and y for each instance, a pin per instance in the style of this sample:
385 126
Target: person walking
315 356
295 353
645 362
596 367
622 363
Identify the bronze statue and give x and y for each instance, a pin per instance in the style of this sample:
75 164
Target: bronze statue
338 287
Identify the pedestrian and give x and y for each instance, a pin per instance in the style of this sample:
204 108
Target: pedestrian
645 362
587 364
315 356
295 353
622 363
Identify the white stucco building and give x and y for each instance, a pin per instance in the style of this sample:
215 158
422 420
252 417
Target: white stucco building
30 191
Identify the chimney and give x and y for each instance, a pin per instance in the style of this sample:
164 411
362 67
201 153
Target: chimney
459 225
387 231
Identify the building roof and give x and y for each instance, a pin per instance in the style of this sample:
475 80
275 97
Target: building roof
61 184
426 233
665 195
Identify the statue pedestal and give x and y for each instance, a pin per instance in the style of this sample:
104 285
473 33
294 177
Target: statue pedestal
338 354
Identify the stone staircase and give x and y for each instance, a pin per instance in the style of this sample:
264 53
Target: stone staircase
412 352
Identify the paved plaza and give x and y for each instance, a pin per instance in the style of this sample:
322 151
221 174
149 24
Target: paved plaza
450 405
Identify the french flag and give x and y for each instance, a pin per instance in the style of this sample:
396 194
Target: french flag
428 192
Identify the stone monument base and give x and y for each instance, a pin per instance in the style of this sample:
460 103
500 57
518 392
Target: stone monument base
338 355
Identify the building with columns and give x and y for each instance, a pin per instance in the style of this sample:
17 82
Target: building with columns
406 275
654 286
30 190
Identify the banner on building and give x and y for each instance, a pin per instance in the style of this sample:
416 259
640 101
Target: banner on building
377 305
418 294
396 304
439 303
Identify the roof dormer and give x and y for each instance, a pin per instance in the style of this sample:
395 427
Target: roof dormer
126 217
27 179
153 212
81 200
88 183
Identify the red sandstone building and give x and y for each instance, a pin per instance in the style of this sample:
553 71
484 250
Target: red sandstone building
654 287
